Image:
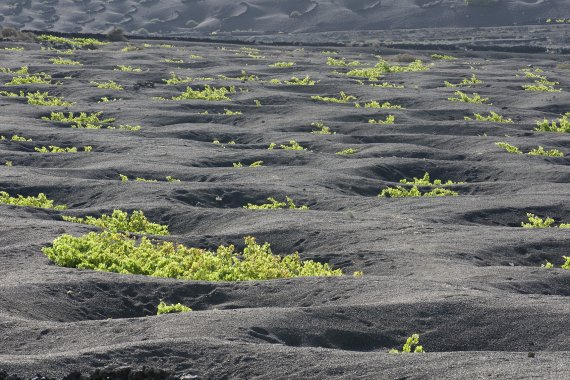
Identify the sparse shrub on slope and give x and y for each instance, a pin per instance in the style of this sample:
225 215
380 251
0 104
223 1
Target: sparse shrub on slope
122 253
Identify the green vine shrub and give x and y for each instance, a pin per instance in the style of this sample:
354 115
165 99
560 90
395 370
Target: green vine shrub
122 253
40 201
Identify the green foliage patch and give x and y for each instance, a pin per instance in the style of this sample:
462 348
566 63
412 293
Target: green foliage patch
274 204
384 67
412 345
562 125
110 85
64 61
120 221
40 201
403 192
163 308
426 181
122 253
492 117
208 93
76 43
463 97
343 98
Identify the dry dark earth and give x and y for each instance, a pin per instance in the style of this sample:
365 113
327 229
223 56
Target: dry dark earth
460 271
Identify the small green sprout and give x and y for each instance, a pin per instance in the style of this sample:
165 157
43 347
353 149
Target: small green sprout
412 345
168 309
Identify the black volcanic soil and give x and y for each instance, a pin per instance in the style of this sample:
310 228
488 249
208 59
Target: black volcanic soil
460 271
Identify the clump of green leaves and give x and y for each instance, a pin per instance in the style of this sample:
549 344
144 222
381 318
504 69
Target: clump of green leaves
466 82
386 85
508 147
208 93
341 62
541 82
228 112
82 120
539 151
492 117
562 125
293 145
412 345
255 164
402 192
537 222
175 79
120 221
375 104
426 181
39 78
463 97
16 138
274 204
343 98
390 119
24 70
73 42
39 98
282 64
128 69
307 81
347 152
64 61
122 253
57 149
110 85
322 129
383 67
40 201
163 308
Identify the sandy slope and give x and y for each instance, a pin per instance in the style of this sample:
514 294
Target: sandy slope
458 270
185 16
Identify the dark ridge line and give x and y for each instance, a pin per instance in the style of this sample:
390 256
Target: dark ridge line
395 45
